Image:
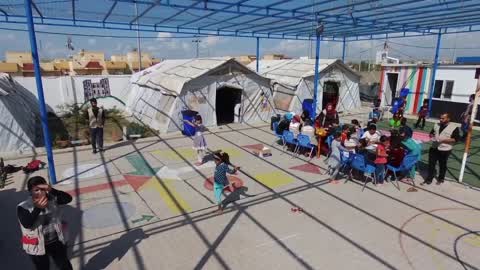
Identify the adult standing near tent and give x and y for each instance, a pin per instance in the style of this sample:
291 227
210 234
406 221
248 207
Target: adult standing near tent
42 230
96 122
444 135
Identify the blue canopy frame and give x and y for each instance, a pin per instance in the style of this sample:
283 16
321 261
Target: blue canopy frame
334 20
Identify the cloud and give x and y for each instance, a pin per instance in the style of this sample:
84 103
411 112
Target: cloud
162 35
92 41
8 37
210 41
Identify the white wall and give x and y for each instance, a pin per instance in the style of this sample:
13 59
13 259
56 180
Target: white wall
69 89
464 82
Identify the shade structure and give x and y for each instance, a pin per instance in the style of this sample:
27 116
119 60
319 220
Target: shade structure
292 19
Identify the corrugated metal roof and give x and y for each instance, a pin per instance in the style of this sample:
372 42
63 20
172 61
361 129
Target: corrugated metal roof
171 75
292 71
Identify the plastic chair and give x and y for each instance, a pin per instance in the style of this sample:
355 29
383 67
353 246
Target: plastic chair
346 158
409 161
303 141
288 138
277 135
359 163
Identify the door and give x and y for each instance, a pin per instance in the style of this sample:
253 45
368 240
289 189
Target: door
227 100
391 88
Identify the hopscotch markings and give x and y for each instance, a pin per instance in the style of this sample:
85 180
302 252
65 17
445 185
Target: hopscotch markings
168 194
274 179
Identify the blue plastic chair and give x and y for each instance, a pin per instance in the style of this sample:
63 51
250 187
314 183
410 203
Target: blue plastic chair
288 138
329 143
359 163
409 161
303 141
346 158
277 135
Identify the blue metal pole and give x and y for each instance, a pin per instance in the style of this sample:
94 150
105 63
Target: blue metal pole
41 98
258 53
315 82
343 51
434 72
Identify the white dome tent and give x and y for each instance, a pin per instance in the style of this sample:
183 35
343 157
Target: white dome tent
293 81
221 89
20 128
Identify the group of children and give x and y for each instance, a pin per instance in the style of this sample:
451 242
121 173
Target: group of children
352 139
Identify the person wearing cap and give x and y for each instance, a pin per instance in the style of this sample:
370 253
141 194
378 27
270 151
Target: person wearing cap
43 234
96 122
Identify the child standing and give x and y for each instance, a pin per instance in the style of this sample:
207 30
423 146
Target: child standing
381 159
199 143
222 161
422 114
334 161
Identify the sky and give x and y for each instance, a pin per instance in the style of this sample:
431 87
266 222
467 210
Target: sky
169 46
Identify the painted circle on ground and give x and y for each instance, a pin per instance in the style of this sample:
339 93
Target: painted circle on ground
83 171
235 181
107 215
439 230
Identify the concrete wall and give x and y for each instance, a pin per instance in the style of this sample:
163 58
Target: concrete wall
464 82
69 89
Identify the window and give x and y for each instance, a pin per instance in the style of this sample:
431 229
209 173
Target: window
445 87
437 89
448 90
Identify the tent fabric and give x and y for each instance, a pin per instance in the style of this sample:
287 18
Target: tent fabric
20 128
292 81
160 93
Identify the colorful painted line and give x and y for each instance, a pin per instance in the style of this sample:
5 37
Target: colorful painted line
141 166
134 181
274 179
253 146
307 167
168 194
166 190
189 154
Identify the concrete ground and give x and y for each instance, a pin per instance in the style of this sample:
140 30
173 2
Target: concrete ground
145 205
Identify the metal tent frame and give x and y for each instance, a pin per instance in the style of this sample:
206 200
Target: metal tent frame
333 20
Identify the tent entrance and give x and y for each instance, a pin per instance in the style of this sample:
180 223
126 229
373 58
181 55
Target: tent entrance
227 104
392 79
331 93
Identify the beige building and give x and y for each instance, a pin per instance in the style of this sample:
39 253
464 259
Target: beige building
82 63
18 57
246 59
275 57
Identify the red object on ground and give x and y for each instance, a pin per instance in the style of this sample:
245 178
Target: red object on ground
235 181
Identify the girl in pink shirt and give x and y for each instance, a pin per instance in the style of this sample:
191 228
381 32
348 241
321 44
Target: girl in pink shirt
381 159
